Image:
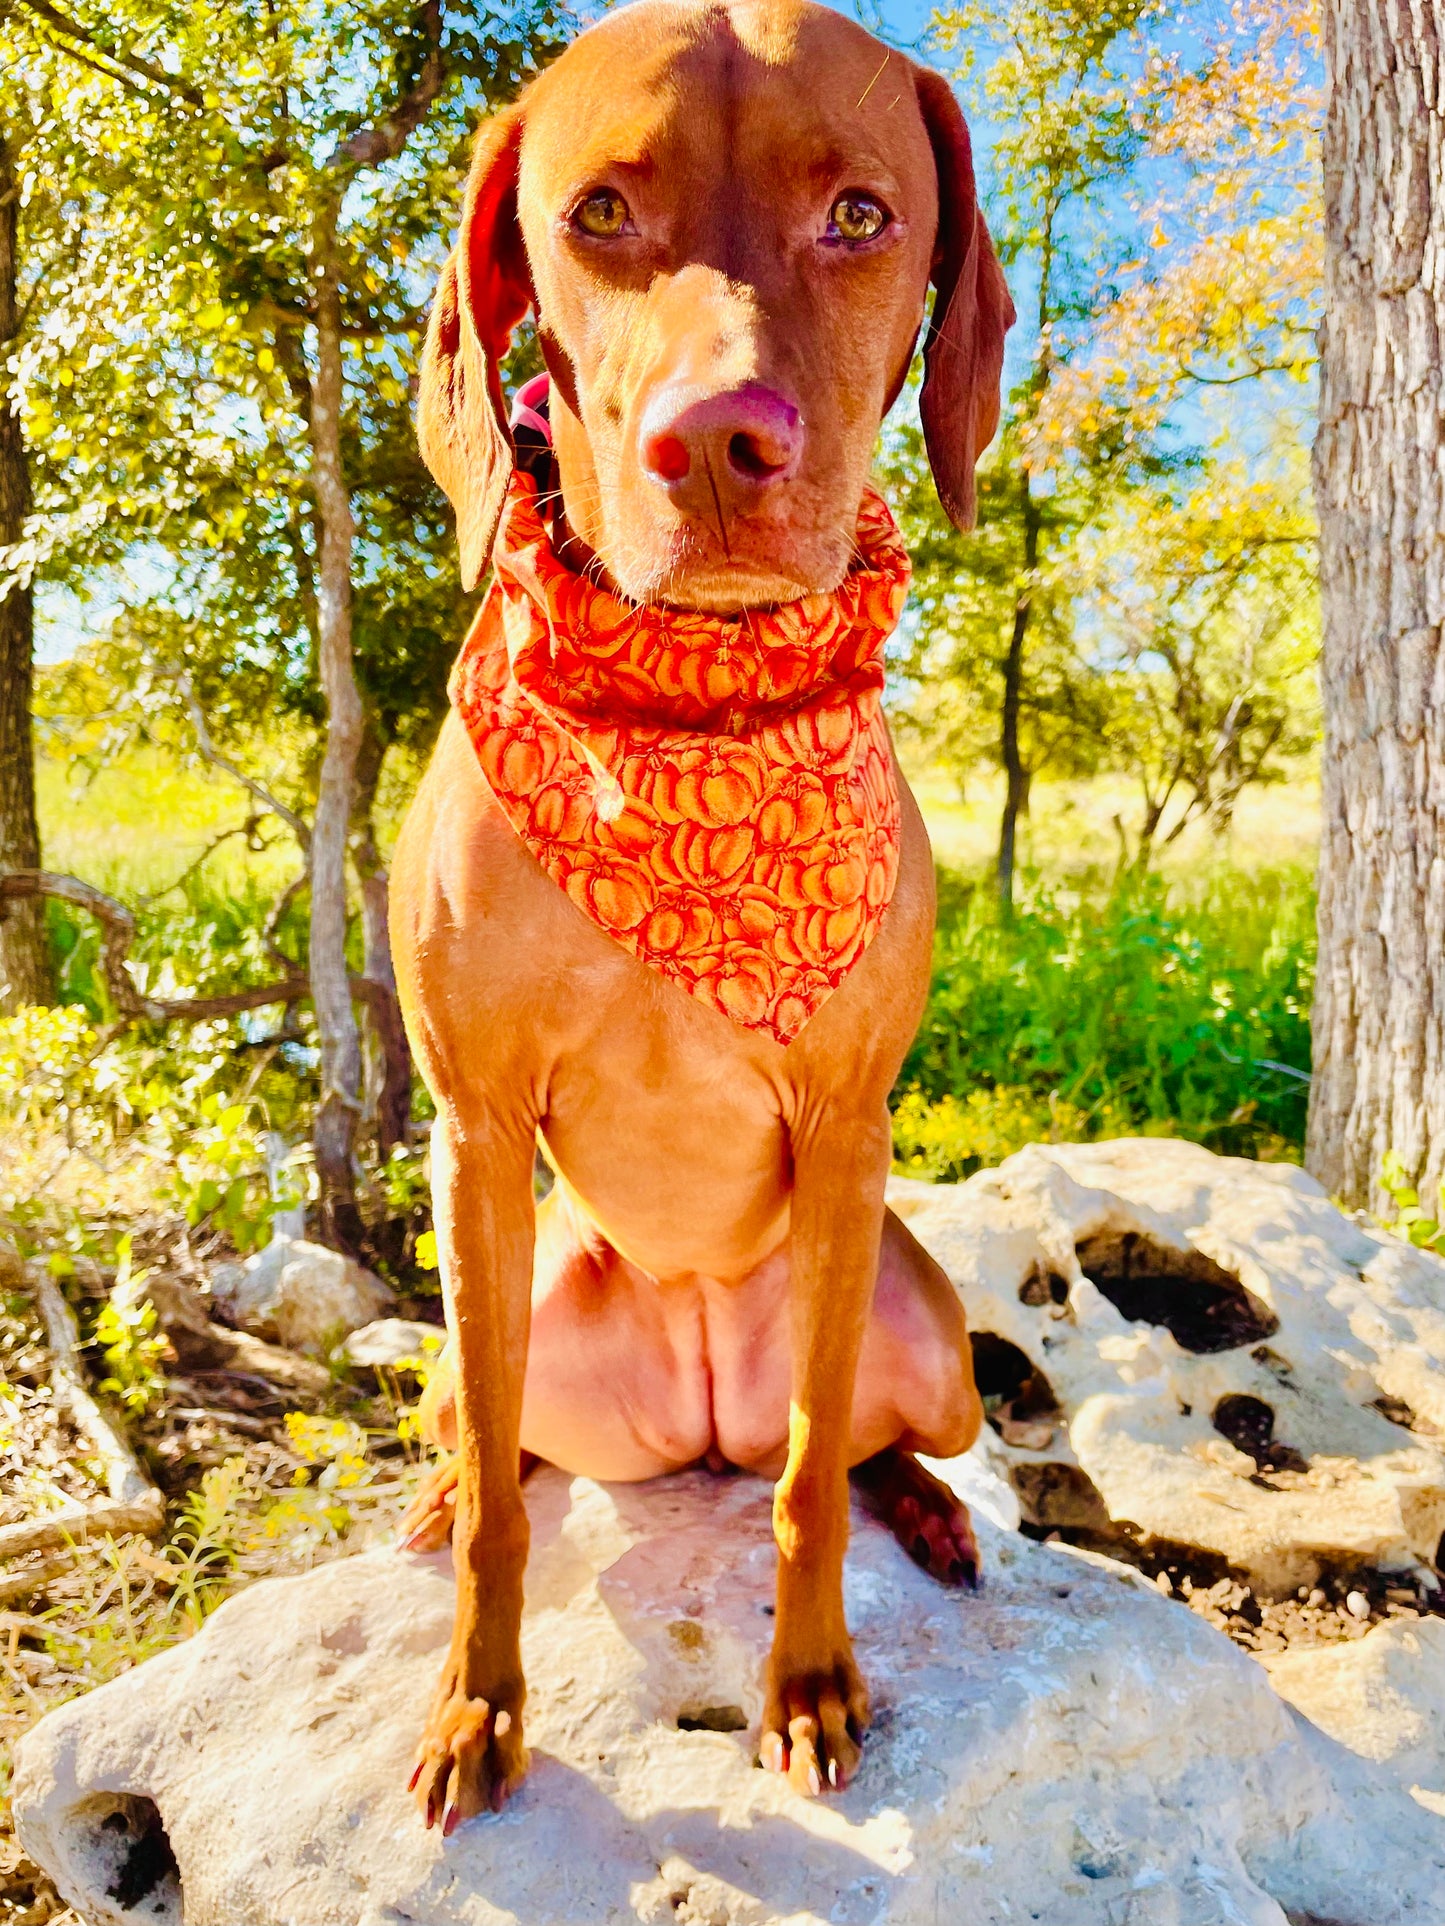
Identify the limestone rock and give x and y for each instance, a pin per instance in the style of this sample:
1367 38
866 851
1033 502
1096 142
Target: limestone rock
1201 1349
390 1339
1382 1695
300 1294
1065 1747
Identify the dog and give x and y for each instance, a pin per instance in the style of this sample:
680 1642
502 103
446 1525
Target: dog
725 216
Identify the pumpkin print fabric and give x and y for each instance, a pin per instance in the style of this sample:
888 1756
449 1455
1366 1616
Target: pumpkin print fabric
716 793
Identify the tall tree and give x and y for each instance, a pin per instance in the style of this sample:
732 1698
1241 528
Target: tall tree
1379 1015
1055 83
24 964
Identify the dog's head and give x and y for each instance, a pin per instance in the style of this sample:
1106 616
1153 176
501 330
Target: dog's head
725 215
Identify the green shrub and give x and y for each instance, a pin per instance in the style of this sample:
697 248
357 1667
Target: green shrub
947 1140
1111 1013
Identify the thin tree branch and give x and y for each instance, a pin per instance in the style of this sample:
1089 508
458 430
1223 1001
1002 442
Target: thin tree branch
237 829
1252 373
287 316
271 929
117 927
300 829
143 69
370 146
116 74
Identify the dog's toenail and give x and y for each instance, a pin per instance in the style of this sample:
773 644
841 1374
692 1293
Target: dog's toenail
920 1551
450 1820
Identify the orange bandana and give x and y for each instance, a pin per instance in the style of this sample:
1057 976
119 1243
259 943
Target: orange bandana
715 792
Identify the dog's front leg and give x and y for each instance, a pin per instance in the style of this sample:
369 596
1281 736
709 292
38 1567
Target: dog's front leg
472 1755
817 1703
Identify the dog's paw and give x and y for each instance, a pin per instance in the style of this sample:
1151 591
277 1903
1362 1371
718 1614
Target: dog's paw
939 1537
813 1728
931 1524
427 1522
471 1758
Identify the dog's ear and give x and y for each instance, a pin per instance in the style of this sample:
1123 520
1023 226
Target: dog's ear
485 289
972 312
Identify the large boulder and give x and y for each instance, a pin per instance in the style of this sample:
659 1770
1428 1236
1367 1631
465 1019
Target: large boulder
1196 1351
300 1294
1067 1747
1383 1696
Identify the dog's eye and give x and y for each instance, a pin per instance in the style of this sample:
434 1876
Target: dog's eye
856 217
603 214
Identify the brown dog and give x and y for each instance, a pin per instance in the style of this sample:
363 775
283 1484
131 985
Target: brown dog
725 216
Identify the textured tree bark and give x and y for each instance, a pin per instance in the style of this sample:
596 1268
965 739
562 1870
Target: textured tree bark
1016 792
387 1087
24 957
1379 1014
337 1115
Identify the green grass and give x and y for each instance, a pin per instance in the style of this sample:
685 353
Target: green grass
1101 1011
1072 828
134 826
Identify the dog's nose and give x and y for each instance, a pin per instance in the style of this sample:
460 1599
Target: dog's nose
724 449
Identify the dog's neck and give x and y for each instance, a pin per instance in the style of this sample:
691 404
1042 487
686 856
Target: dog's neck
715 792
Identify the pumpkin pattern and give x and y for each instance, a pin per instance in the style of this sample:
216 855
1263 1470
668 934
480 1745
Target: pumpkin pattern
716 793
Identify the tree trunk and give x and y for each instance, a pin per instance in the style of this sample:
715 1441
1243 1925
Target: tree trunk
340 1107
1379 1014
387 1090
24 956
1016 793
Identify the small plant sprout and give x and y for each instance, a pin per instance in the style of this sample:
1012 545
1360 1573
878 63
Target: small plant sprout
1411 1220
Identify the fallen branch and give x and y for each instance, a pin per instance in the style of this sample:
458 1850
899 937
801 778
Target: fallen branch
85 1522
130 1490
218 1352
35 1578
117 927
132 1504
